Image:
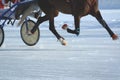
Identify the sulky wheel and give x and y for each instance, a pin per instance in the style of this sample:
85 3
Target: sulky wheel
29 39
1 36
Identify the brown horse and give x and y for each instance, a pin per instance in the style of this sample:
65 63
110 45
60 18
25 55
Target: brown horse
78 8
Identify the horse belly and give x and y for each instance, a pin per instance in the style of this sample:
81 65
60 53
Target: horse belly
61 6
65 10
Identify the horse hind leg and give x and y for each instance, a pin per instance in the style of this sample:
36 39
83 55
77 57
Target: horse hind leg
98 16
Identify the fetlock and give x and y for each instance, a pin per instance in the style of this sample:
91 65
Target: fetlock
114 37
62 41
77 31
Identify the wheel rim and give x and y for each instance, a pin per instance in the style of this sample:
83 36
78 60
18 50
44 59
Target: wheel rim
29 39
1 36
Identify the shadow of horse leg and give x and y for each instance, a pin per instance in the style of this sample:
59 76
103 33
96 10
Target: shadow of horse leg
39 21
77 26
98 16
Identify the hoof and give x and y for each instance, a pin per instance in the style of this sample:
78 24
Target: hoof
62 41
64 27
114 37
29 33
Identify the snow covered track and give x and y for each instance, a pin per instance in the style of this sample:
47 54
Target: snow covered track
91 56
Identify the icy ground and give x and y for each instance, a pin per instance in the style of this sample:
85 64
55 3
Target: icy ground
93 55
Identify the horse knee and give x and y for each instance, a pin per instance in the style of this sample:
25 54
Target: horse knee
51 28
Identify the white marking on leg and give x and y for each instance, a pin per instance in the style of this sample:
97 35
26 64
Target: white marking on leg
63 42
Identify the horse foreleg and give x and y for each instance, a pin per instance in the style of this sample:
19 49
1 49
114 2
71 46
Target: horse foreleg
53 30
77 26
104 24
39 21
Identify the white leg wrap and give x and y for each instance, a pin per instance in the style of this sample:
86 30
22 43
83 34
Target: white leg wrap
62 41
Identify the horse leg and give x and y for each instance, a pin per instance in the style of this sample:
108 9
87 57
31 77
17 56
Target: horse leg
104 24
77 26
39 21
53 30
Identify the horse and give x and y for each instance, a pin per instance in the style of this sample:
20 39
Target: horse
77 8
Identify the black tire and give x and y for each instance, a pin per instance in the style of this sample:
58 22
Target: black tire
1 36
29 39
